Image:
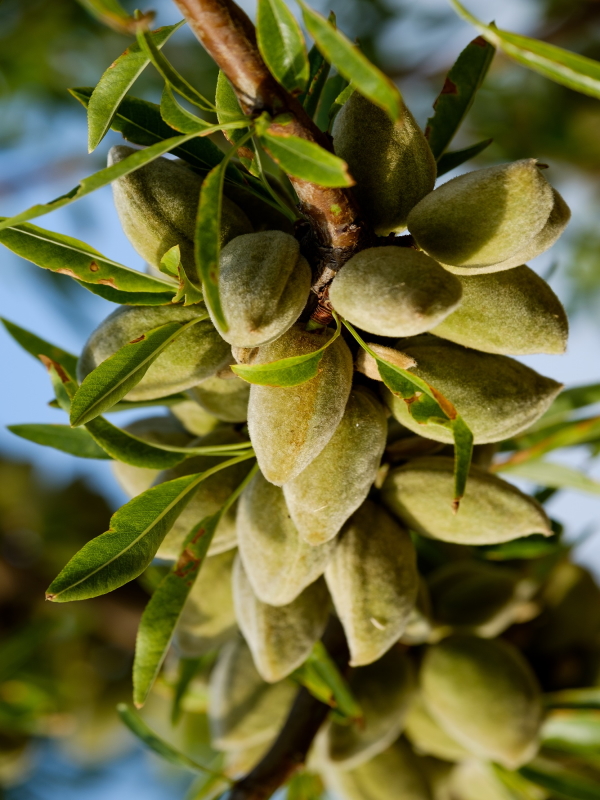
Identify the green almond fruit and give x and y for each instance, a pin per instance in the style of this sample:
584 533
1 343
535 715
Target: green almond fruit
281 638
420 493
196 354
428 738
394 291
391 161
395 774
485 695
157 207
194 418
322 497
485 217
278 563
497 396
156 430
384 690
208 617
513 312
264 283
373 581
208 498
224 398
471 593
289 426
243 710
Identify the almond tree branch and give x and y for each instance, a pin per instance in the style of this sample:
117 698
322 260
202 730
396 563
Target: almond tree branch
337 229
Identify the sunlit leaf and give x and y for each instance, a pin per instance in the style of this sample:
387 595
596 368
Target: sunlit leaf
317 79
75 441
574 731
450 161
112 13
36 347
548 473
229 110
115 83
179 118
561 780
306 160
320 675
282 44
569 400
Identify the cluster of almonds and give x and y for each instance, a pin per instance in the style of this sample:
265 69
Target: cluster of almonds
323 526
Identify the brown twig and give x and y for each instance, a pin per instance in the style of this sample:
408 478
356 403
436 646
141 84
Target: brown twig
337 229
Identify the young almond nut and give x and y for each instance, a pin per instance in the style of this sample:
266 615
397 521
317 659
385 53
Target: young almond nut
428 738
322 497
157 207
390 161
497 396
280 638
480 219
278 563
264 283
513 312
208 498
395 774
195 355
420 494
208 617
384 690
289 426
486 696
243 710
373 581
226 399
394 291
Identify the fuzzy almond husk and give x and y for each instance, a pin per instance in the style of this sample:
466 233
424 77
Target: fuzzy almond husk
373 581
420 494
289 426
226 399
391 162
322 497
280 638
428 738
486 696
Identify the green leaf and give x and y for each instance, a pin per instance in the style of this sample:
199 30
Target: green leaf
169 73
536 546
282 45
77 442
320 675
450 161
118 374
574 698
305 786
560 780
139 728
577 72
317 80
208 236
518 787
570 400
99 179
115 83
547 473
127 548
72 257
229 110
532 446
112 13
306 160
129 298
40 347
572 731
164 608
188 669
352 64
458 93
178 117
428 407
337 90
169 400
290 371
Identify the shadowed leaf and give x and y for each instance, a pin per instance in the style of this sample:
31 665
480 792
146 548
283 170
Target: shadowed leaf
76 442
282 45
450 161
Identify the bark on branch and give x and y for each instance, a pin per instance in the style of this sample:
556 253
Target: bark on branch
228 35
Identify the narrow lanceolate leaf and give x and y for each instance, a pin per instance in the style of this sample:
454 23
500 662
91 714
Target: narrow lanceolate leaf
178 117
112 13
290 371
139 728
116 82
128 298
169 73
37 347
552 475
563 434
336 92
574 731
428 407
127 548
229 110
72 257
306 160
76 442
455 158
166 604
458 93
536 546
282 44
99 179
569 69
352 64
574 698
317 79
118 374
320 675
568 401
561 780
